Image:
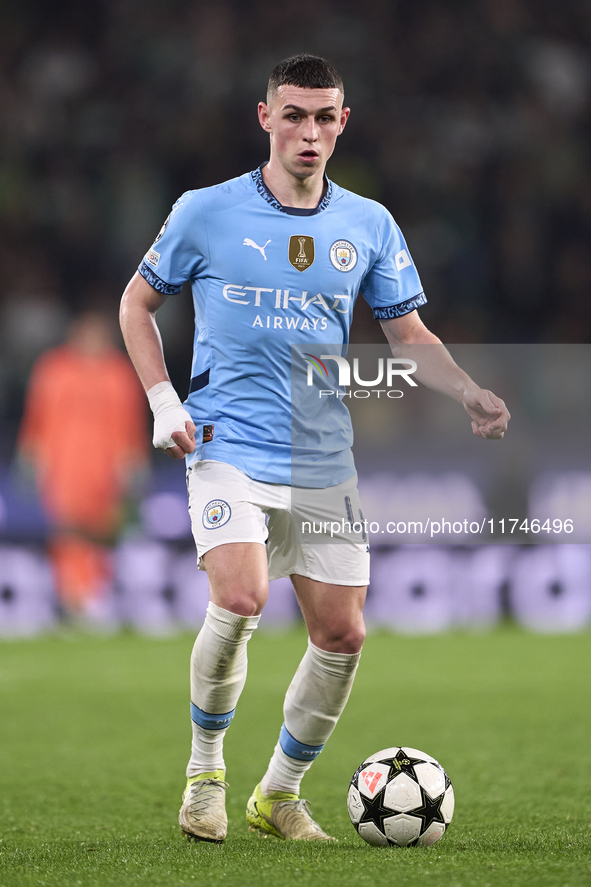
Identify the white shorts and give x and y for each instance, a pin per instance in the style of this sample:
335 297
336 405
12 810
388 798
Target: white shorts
228 506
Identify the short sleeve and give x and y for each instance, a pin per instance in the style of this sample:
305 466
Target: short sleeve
180 249
392 286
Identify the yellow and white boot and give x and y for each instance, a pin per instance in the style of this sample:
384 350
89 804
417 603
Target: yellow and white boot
202 816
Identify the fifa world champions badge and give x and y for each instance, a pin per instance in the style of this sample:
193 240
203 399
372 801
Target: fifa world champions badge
301 251
216 513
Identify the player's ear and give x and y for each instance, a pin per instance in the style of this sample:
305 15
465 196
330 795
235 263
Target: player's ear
264 114
344 117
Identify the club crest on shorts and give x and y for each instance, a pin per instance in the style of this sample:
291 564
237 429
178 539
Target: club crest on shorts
343 255
301 251
216 513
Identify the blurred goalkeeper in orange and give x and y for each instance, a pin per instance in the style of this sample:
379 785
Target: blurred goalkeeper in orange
80 427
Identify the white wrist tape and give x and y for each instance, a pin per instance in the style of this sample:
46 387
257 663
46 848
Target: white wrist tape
169 414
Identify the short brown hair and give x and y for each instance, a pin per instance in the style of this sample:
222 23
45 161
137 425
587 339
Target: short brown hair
306 71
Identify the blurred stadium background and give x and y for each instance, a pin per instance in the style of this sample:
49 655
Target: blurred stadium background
470 122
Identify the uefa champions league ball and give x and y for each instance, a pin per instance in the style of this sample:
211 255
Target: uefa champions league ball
400 796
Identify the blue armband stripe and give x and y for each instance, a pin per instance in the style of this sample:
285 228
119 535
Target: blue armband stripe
209 721
298 750
402 308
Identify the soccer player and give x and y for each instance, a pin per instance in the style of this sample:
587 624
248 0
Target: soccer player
275 257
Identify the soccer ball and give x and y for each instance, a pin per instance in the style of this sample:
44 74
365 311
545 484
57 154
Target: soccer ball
400 796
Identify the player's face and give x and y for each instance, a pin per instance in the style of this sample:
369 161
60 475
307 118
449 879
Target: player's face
303 125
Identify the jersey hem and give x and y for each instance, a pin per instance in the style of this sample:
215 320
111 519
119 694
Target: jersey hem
193 458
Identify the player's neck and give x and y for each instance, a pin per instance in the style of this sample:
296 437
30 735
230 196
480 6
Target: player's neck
292 191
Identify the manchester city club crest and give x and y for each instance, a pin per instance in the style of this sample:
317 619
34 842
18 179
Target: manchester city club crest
343 255
216 513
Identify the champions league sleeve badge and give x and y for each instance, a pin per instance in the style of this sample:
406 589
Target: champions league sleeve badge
163 229
343 255
216 513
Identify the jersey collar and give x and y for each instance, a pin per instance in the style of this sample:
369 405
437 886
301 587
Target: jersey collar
259 182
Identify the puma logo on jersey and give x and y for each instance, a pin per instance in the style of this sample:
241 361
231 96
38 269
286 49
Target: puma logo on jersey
261 249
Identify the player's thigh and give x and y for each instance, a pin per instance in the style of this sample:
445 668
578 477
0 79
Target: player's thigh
333 613
238 579
230 533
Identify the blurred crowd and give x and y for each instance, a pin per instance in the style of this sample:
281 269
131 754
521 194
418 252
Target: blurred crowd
471 122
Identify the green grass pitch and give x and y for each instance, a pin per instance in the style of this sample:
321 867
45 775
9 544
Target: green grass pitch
94 736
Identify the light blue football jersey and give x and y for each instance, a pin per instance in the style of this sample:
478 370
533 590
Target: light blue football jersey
265 277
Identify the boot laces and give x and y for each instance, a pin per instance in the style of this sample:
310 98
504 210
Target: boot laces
203 793
290 813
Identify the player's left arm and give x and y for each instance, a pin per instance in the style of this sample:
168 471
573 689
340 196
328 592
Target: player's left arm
437 370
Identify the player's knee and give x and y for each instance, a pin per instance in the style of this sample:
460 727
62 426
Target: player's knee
342 639
352 641
241 601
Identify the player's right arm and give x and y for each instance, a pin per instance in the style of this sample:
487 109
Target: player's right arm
174 431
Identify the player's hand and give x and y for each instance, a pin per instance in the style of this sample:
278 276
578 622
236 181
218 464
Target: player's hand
184 440
488 412
174 430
